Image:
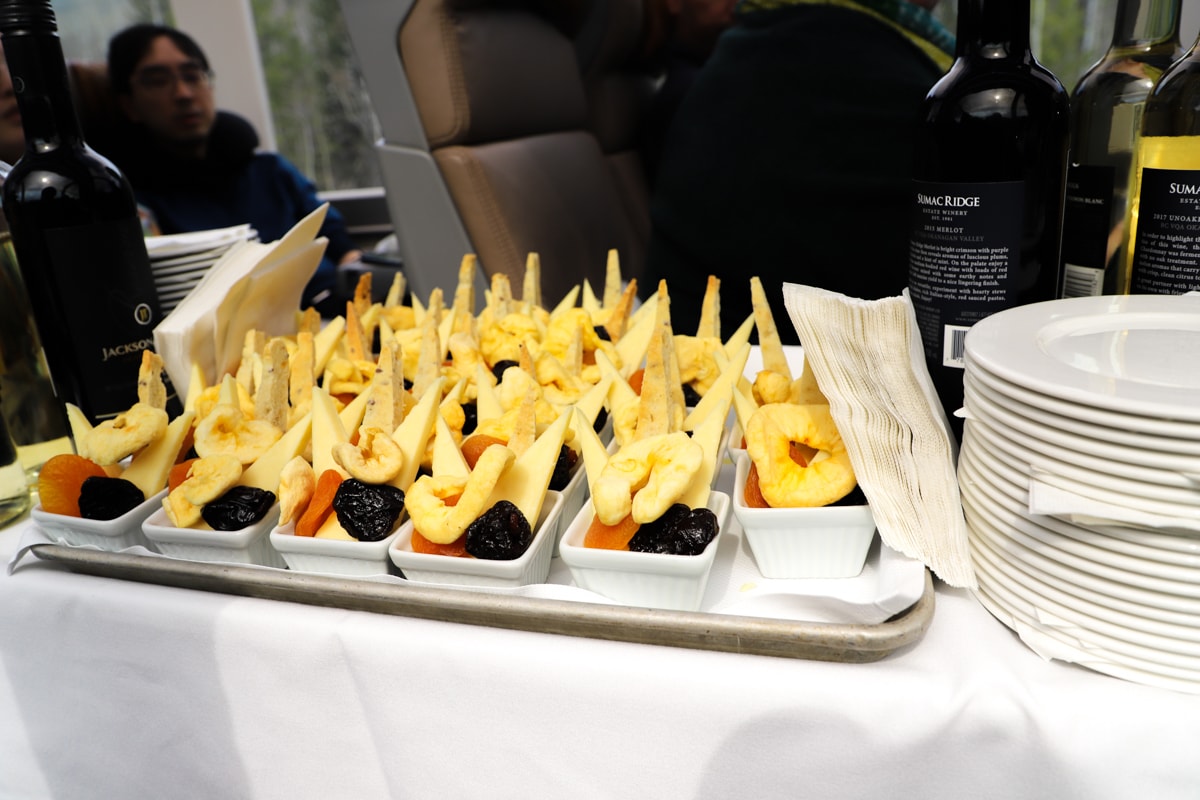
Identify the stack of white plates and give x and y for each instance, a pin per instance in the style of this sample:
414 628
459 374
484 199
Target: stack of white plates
180 260
1080 480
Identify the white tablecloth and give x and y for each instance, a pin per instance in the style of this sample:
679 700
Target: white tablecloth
110 689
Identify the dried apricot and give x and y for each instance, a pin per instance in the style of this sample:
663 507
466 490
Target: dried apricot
610 537
60 479
473 447
635 380
179 473
753 496
457 548
321 505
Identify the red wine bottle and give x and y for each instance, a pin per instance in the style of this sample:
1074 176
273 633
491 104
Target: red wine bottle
989 180
75 229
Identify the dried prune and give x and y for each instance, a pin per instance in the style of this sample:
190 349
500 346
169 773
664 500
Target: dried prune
691 397
681 531
470 418
107 498
368 511
499 367
501 534
567 458
238 508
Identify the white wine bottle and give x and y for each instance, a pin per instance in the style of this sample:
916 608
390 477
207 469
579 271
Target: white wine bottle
75 229
1164 217
1106 118
989 178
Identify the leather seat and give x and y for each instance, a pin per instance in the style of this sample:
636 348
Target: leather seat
496 139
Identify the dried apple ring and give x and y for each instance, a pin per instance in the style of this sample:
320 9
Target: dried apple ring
427 499
644 478
784 483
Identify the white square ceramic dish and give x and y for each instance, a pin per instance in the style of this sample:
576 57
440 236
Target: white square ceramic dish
574 495
332 556
827 542
107 534
532 567
250 545
654 580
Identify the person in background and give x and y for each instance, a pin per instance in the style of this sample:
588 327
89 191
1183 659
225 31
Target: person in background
194 168
681 34
790 157
12 135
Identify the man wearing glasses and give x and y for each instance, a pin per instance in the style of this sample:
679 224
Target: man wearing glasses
196 168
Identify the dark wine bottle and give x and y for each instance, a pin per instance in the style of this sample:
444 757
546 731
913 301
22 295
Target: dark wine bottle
75 230
1164 225
989 178
1106 117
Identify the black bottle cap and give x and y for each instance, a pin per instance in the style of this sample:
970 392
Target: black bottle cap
27 16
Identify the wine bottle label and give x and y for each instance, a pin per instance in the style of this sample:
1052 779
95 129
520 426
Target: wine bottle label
1166 251
109 309
1086 231
964 253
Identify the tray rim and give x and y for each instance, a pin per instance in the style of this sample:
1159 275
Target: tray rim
818 641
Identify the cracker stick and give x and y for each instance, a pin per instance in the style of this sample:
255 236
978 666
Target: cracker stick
429 359
531 290
612 280
710 310
355 338
396 292
464 293
768 336
150 387
620 312
301 376
271 399
362 293
250 368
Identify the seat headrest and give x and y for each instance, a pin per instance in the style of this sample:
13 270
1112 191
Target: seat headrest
489 70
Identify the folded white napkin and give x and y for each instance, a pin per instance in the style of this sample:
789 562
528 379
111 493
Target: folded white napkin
252 286
867 358
179 244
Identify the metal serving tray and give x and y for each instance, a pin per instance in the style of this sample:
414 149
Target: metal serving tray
851 643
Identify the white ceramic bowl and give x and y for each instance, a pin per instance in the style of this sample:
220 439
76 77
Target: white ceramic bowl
654 580
827 542
574 495
250 545
333 556
532 567
107 534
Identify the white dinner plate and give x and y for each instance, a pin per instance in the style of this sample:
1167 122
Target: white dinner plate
1010 490
1180 498
1134 354
1064 536
1138 431
1096 453
1070 643
1055 609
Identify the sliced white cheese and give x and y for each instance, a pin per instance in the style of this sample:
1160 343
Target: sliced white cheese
744 407
620 393
632 346
707 434
413 434
327 431
81 426
568 302
264 472
447 459
352 415
595 455
229 394
526 480
325 343
487 401
595 398
589 303
197 383
719 393
740 337
151 467
332 529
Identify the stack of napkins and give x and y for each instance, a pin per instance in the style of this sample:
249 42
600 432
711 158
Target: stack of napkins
868 361
253 286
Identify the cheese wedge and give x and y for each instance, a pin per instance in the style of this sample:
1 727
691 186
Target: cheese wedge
612 280
150 468
647 309
447 459
716 395
229 394
352 415
633 345
707 434
419 310
196 385
589 302
526 480
264 472
594 398
81 426
413 434
593 451
568 302
332 529
327 431
740 337
620 393
744 407
768 335
325 343
531 288
487 401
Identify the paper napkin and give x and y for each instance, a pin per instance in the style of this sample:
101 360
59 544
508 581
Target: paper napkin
253 286
868 360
